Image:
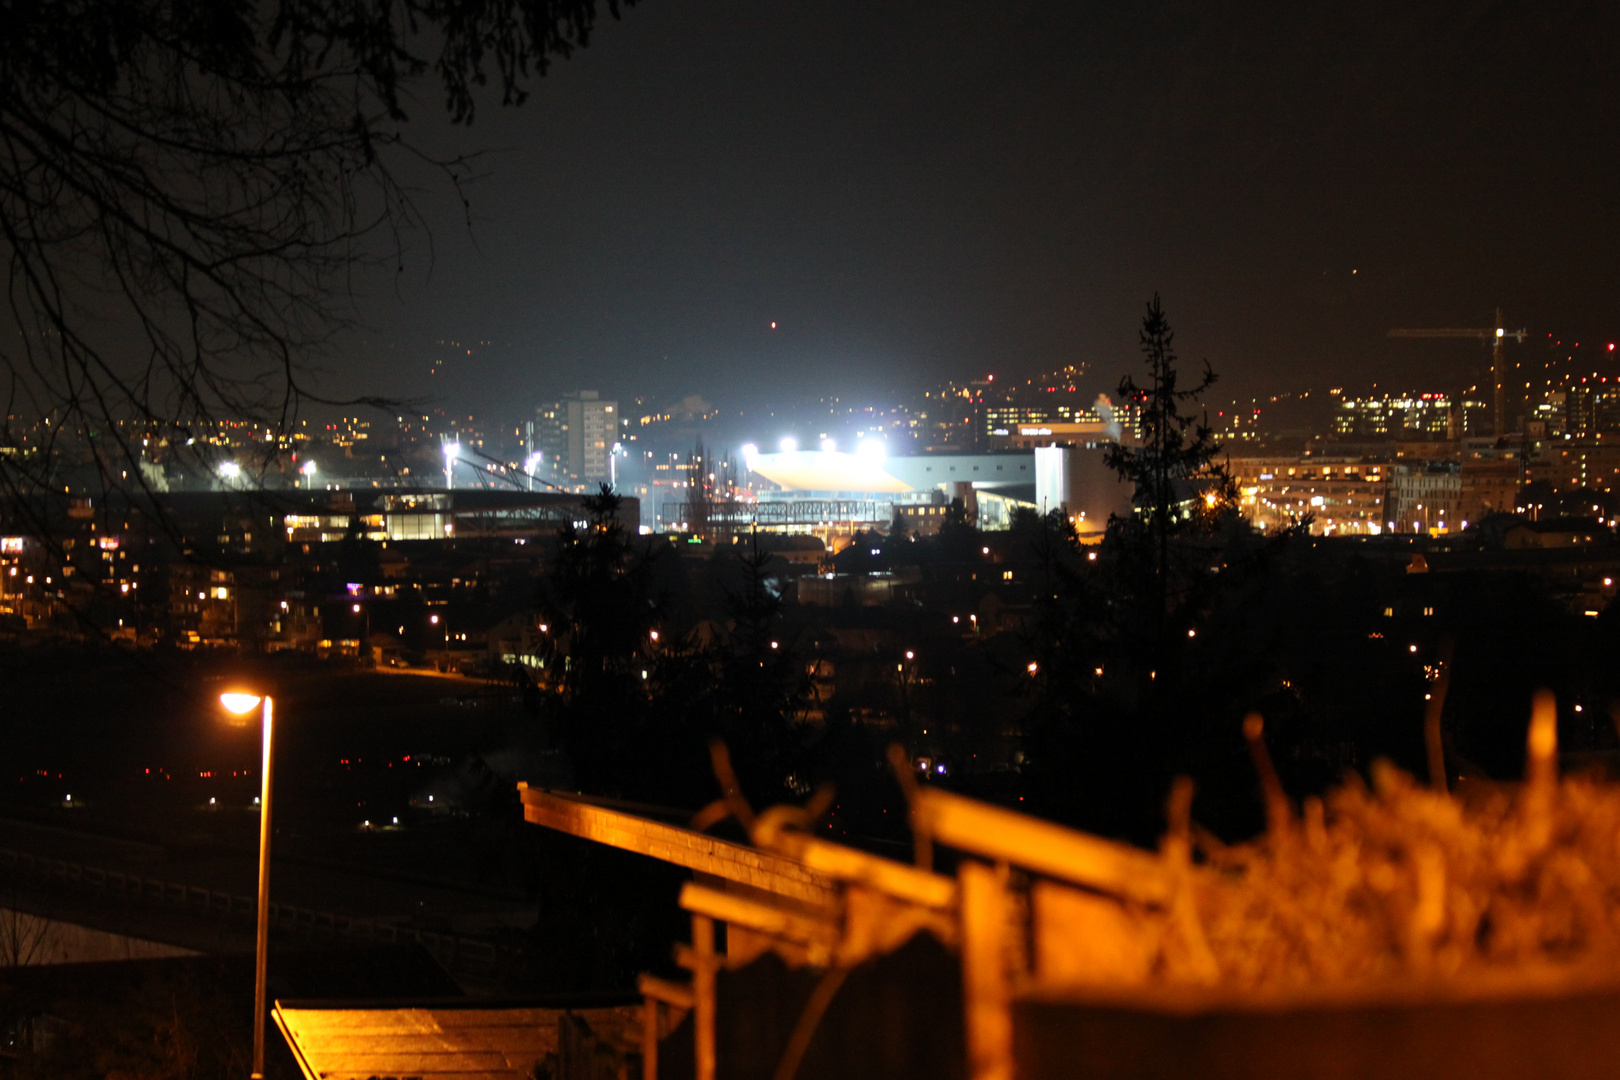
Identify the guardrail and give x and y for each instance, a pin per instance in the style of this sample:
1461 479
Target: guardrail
466 955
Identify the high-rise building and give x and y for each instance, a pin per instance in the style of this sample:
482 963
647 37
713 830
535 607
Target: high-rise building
1592 408
576 433
1406 416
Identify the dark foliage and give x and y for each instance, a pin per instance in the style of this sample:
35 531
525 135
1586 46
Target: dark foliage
634 705
185 189
1177 483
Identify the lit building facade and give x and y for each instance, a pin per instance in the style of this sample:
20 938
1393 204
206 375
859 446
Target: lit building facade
1406 416
1341 496
1574 464
576 434
1425 497
1591 407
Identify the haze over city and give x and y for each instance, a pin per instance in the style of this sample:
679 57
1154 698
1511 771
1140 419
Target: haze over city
912 195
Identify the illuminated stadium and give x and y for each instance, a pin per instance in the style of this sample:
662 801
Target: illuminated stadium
833 494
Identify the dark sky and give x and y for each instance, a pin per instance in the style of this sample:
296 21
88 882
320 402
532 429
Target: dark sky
930 190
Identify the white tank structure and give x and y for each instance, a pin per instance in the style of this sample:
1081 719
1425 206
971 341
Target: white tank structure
1076 480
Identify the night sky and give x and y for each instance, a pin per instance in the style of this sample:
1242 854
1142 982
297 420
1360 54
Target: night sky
914 192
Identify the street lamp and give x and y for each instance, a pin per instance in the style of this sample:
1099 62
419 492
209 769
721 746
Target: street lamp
239 704
363 650
434 620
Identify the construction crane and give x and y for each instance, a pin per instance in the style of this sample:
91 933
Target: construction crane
1496 335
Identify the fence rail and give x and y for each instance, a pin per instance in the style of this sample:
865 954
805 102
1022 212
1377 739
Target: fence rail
458 954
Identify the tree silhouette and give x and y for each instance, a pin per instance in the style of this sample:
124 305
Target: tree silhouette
763 684
700 502
598 604
1172 467
185 190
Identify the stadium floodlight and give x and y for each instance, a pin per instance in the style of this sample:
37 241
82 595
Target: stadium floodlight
829 445
750 454
788 444
451 449
873 450
230 470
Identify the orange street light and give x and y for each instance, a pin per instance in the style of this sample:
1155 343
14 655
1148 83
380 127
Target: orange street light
241 705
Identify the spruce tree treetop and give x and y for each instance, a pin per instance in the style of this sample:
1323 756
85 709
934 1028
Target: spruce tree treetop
1173 465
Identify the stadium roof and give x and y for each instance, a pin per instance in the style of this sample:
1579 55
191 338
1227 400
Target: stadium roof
826 470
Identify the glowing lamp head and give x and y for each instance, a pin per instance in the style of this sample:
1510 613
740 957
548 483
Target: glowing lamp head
872 450
230 470
451 449
239 704
788 444
829 445
750 454
308 468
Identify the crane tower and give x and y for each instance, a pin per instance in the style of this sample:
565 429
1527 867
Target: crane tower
1497 336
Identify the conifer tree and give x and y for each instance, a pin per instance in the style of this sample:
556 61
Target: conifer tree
1172 467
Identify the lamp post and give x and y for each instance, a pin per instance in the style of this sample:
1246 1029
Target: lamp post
434 620
241 705
363 649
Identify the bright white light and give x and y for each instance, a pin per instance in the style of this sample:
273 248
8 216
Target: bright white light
750 454
308 468
239 704
829 445
230 470
872 450
788 444
451 449
532 462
